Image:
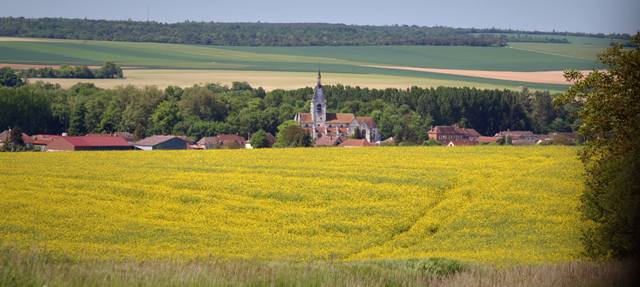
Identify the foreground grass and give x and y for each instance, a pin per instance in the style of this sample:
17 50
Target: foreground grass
39 269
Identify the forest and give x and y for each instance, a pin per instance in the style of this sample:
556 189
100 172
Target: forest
271 34
241 34
210 109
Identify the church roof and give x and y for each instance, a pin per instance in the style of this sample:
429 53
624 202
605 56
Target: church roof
340 118
367 120
332 118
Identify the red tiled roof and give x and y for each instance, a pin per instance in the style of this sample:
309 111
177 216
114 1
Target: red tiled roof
452 130
304 117
469 132
332 118
445 130
43 139
356 143
223 139
125 135
340 118
367 120
328 141
94 141
488 139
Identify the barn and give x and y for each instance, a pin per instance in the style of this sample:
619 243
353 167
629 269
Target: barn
162 143
84 143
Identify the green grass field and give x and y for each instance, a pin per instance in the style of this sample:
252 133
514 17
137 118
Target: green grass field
348 60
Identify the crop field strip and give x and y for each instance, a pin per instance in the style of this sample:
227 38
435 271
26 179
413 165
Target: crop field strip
297 204
348 60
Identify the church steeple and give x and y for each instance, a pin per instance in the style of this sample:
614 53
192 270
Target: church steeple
318 103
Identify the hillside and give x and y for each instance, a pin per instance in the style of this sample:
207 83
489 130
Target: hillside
291 67
498 205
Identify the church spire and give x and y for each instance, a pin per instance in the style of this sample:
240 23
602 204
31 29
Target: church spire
319 77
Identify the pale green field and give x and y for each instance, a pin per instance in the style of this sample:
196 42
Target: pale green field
343 60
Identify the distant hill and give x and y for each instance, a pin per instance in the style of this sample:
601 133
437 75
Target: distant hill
261 34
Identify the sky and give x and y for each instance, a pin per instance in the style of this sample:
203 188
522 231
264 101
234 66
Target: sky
593 16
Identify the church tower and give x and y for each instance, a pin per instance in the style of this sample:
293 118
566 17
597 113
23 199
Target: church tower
318 104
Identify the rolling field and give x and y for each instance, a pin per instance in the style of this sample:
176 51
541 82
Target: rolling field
270 80
352 62
478 205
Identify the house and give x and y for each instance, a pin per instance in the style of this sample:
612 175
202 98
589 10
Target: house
222 141
446 134
319 123
85 143
129 137
356 143
488 140
4 136
167 142
41 141
521 137
329 141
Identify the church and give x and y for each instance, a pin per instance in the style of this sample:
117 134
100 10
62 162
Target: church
320 124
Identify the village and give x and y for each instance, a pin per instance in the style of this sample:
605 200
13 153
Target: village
325 129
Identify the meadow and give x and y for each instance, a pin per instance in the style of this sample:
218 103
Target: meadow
351 62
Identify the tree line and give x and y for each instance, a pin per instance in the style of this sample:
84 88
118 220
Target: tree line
242 34
108 71
204 110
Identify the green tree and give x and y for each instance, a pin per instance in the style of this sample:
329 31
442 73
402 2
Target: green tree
76 120
201 103
9 78
165 117
109 70
290 134
609 103
260 140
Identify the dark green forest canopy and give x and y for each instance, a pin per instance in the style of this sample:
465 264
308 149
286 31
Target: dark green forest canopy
199 111
267 34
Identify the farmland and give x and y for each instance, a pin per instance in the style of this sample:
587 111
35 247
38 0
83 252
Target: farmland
297 204
350 62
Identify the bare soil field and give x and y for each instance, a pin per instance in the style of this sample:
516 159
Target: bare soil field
269 80
543 77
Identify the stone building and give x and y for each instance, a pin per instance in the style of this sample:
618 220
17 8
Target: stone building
319 123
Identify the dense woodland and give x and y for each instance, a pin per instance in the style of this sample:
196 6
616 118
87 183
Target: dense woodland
198 111
262 34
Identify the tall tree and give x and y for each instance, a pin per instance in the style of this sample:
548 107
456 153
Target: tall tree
609 104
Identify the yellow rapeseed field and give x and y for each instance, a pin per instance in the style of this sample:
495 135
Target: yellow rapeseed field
488 204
